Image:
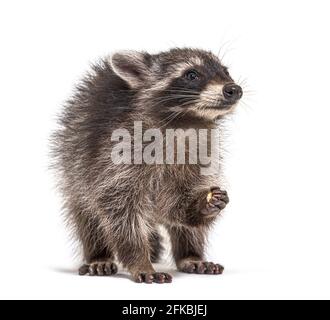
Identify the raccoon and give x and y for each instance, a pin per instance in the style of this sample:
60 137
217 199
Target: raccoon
115 210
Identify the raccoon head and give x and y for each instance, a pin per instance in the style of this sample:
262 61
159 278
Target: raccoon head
183 81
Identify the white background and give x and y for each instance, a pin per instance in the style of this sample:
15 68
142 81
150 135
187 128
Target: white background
274 237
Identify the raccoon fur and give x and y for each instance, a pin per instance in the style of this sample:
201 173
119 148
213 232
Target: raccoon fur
115 209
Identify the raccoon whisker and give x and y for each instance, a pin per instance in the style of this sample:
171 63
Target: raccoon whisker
185 112
159 102
174 114
246 88
177 93
243 83
188 102
175 96
212 101
181 100
169 98
204 105
249 93
174 89
168 119
223 47
242 80
244 104
177 113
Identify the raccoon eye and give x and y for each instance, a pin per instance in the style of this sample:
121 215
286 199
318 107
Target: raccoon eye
192 75
226 72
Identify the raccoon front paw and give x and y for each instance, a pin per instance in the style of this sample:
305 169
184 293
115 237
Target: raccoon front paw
99 268
200 267
157 277
216 200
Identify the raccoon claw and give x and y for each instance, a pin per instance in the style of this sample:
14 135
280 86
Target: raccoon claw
201 267
157 277
216 201
102 268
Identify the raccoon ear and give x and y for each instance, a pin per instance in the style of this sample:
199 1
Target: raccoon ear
131 66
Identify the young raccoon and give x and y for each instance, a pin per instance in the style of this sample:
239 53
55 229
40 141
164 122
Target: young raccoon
115 209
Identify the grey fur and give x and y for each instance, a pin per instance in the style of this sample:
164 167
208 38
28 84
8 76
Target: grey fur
114 209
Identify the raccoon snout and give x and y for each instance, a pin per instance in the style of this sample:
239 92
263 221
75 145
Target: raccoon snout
232 92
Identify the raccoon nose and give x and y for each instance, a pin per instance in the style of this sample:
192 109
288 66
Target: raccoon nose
232 92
